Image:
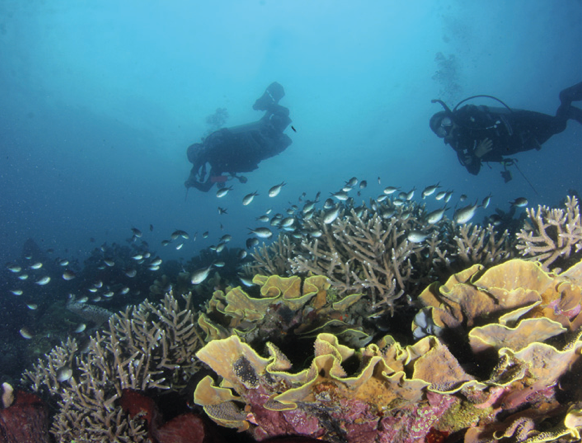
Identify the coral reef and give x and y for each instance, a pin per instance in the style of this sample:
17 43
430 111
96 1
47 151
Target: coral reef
387 250
288 308
517 289
529 320
552 236
145 347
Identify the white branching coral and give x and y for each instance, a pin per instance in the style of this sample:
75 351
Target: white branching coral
386 250
552 234
144 347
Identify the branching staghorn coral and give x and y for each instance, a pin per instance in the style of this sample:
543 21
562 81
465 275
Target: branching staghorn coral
145 347
379 250
552 234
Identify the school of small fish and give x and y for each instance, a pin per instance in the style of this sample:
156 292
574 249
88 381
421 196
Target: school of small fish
389 201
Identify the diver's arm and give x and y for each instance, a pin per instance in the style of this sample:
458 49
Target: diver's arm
466 155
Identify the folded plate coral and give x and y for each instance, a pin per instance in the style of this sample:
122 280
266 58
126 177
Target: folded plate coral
525 318
287 305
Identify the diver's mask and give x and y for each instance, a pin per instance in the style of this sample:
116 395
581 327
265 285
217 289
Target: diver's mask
445 127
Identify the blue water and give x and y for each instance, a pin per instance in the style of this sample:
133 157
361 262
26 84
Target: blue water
101 99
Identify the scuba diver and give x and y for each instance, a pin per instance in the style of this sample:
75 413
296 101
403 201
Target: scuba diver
484 134
241 148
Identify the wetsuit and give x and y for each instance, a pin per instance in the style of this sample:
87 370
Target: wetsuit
240 148
510 131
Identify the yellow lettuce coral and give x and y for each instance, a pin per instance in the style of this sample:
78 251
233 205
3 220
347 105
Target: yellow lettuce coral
286 305
516 312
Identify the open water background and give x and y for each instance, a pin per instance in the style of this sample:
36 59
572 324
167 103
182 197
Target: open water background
101 99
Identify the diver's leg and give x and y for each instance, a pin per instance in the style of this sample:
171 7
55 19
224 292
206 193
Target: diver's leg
567 96
270 97
571 94
575 113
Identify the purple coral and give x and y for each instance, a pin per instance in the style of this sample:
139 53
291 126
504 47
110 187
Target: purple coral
411 425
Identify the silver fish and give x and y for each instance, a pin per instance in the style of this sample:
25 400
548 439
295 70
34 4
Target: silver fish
156 262
435 216
200 275
352 182
223 191
288 221
131 273
64 373
261 232
14 268
249 198
274 191
23 277
16 291
136 232
25 333
520 202
124 290
429 190
109 263
32 306
330 215
486 201
341 195
43 281
36 266
390 190
440 195
416 236
226 238
246 281
252 242
80 328
463 215
263 218
410 194
308 207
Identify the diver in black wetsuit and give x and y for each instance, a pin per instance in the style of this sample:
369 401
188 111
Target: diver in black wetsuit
240 148
483 134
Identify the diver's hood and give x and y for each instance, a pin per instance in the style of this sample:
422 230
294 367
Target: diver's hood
435 120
